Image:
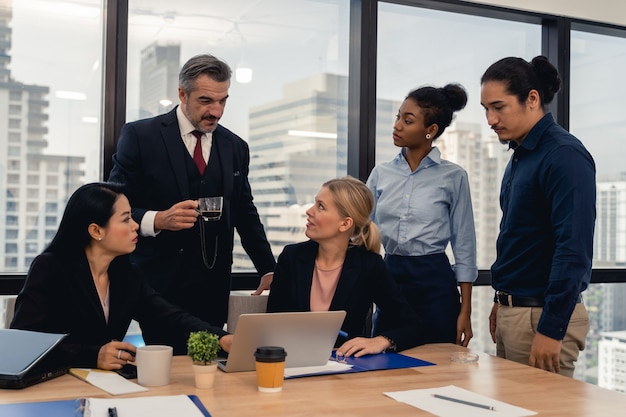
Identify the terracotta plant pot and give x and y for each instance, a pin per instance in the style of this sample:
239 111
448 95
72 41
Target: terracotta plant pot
204 375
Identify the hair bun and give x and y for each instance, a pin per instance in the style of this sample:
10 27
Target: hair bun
548 77
455 95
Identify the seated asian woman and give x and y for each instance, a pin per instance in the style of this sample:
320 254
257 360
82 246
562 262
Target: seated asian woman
83 284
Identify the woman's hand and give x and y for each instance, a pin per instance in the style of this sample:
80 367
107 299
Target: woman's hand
116 354
226 342
360 346
464 329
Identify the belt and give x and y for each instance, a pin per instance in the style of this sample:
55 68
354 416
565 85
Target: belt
509 300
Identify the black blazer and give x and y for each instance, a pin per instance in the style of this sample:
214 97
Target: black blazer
61 297
363 281
150 162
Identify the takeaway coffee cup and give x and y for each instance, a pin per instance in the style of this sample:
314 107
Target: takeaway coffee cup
154 363
270 368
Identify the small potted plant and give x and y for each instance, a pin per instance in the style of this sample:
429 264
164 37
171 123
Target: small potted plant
203 346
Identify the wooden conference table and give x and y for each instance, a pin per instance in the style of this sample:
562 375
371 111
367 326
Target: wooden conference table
361 394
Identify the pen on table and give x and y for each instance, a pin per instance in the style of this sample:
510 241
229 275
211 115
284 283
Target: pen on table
456 400
112 412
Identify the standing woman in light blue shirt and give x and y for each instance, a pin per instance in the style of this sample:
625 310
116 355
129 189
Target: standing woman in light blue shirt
423 204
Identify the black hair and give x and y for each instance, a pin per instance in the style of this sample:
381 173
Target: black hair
520 76
90 203
439 104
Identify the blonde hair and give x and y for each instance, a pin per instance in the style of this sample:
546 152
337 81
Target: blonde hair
353 199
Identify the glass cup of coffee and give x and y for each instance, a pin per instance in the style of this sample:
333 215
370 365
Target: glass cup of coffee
210 208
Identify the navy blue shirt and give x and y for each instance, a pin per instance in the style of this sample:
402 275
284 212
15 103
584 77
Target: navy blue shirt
548 201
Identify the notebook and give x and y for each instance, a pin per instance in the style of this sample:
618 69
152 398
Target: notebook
26 357
307 337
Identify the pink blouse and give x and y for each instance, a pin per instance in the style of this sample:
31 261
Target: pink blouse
323 287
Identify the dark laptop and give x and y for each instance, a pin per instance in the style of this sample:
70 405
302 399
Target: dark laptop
25 357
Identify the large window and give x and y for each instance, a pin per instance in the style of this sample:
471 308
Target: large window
50 90
598 119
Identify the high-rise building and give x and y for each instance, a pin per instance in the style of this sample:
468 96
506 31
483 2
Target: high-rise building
610 236
605 302
611 360
35 185
158 84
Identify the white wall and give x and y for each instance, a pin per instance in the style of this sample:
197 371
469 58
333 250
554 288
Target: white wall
607 11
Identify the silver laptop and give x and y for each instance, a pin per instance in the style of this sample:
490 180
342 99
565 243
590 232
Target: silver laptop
308 338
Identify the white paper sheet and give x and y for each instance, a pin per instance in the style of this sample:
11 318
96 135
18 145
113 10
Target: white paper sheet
330 367
108 381
424 399
159 406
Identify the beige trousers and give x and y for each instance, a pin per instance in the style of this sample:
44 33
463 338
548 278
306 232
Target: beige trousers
516 327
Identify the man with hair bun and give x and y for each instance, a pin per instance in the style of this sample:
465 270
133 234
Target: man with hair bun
545 245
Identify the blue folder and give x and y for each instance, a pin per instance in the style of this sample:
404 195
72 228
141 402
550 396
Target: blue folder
378 362
63 408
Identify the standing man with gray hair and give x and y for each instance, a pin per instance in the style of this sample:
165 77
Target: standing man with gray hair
169 161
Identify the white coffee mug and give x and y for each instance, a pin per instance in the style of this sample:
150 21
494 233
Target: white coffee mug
154 364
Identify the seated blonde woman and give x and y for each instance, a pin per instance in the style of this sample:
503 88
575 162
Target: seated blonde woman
340 268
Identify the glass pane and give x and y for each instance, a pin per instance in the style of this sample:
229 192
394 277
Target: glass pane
50 90
419 47
292 111
6 310
598 119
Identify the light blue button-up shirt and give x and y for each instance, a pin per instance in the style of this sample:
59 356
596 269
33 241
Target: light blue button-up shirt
419 212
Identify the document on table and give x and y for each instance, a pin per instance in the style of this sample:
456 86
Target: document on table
108 381
160 406
458 402
331 367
